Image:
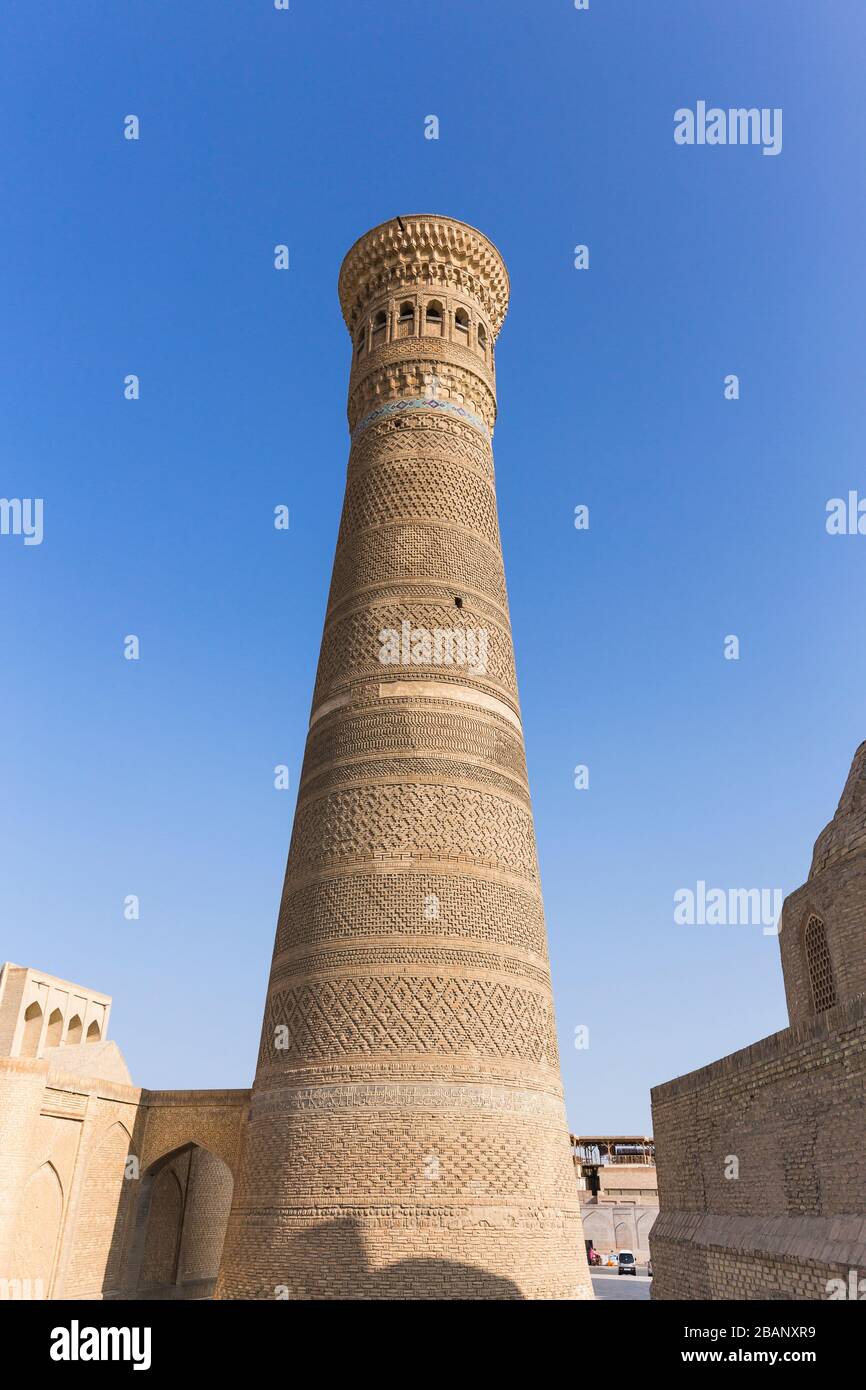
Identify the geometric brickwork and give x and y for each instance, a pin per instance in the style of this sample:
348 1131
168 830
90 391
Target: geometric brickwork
820 966
407 1136
405 1014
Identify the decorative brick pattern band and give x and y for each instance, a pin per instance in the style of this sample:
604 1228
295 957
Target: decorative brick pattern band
407 1135
392 408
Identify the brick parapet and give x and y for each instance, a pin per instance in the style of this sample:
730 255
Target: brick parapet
775 1047
762 1179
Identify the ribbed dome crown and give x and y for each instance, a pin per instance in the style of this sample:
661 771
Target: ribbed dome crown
846 833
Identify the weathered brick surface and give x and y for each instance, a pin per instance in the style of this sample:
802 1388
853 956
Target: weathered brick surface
407 1135
785 1115
208 1200
75 1220
790 1111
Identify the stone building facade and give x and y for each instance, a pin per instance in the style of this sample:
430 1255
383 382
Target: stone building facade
106 1190
407 1136
618 1189
762 1156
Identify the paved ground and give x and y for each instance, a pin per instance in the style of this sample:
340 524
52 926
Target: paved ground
626 1287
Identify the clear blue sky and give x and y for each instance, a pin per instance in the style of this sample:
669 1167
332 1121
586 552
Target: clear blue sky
707 515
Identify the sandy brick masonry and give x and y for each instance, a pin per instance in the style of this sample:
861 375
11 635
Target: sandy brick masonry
407 1136
39 1012
106 1190
406 1133
790 1109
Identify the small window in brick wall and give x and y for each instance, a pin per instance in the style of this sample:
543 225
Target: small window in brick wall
433 319
820 966
380 327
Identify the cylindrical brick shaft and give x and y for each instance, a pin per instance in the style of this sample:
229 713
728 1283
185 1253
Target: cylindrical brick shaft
407 1135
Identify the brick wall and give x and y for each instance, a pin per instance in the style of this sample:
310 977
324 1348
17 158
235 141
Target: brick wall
12 981
71 1211
838 896
786 1114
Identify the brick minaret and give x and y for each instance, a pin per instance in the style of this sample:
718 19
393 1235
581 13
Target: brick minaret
407 1136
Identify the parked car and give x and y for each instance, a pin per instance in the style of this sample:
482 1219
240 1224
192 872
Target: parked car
626 1263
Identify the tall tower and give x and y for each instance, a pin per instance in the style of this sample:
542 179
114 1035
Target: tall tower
407 1136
